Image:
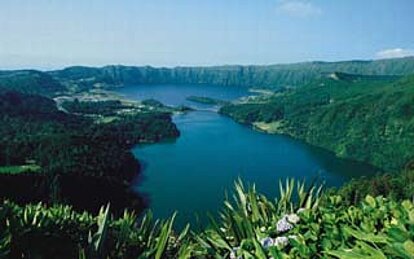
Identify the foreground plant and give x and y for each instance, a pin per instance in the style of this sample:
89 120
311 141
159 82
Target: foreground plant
37 231
314 226
252 226
302 222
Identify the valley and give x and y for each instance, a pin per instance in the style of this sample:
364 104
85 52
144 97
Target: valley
143 139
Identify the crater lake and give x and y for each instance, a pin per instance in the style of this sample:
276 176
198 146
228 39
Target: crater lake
192 173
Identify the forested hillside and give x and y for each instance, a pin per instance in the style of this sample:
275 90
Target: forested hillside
273 76
45 153
367 118
30 82
78 153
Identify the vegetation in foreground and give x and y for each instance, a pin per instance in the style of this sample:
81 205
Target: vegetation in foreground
365 118
302 222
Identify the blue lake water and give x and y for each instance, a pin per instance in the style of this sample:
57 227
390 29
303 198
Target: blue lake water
191 174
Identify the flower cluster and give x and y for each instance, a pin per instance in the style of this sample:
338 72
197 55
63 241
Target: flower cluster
267 242
281 241
285 224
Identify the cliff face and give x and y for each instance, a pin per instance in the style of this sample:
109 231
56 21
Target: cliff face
273 77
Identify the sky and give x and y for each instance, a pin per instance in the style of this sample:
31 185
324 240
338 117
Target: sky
50 34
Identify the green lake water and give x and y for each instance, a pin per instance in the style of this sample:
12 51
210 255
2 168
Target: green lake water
191 174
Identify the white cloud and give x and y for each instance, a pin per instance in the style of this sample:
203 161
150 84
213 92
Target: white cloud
298 8
394 53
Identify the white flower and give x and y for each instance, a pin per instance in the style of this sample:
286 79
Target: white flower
281 241
293 218
283 225
267 242
262 229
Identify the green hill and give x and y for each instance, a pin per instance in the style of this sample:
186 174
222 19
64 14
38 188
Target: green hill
272 76
45 152
367 118
30 82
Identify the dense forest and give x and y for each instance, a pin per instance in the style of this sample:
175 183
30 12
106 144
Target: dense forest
30 82
365 118
273 76
45 152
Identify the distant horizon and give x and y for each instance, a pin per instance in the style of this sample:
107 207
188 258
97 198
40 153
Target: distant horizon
52 34
202 66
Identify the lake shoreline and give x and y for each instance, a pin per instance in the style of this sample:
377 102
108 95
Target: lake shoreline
266 130
213 150
263 129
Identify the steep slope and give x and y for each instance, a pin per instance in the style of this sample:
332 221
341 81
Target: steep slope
274 76
365 118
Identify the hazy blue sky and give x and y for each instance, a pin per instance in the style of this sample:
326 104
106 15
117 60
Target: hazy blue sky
56 33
